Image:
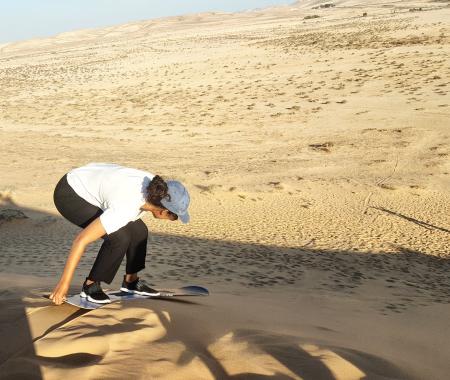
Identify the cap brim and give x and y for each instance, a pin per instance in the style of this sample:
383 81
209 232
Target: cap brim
184 218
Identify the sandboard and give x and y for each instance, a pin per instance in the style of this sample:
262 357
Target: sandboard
118 295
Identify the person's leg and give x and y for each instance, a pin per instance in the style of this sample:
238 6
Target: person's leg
111 254
137 250
72 207
136 253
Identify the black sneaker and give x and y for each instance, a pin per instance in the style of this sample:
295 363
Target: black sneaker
94 293
138 286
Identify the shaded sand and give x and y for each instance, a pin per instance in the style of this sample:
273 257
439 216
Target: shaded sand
269 335
316 151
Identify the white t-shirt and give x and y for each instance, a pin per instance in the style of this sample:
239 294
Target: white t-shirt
117 190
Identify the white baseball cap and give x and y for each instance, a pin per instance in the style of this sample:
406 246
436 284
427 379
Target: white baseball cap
179 200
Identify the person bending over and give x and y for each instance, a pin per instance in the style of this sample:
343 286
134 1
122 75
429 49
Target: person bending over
107 201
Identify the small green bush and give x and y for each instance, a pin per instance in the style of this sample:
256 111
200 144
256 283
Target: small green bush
310 16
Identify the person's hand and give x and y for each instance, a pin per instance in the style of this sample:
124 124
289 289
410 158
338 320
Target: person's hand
58 296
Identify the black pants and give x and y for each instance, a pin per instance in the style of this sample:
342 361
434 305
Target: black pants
130 239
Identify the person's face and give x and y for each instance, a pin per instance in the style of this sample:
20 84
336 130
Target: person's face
162 213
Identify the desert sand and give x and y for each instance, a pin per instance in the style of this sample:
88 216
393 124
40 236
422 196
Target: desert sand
315 145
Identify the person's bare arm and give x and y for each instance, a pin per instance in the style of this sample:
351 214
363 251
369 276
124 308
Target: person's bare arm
91 233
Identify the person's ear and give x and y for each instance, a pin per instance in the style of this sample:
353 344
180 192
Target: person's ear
159 210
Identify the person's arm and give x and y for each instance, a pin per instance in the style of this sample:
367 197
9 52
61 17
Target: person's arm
92 232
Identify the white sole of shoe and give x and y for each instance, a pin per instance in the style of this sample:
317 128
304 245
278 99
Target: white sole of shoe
90 299
140 293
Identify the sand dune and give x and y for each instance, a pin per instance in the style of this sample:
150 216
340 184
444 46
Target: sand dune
227 336
314 141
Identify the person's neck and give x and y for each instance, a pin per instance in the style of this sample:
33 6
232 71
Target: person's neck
149 207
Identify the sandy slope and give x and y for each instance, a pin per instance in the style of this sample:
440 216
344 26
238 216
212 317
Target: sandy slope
316 151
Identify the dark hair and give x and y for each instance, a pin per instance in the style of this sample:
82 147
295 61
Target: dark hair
157 190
